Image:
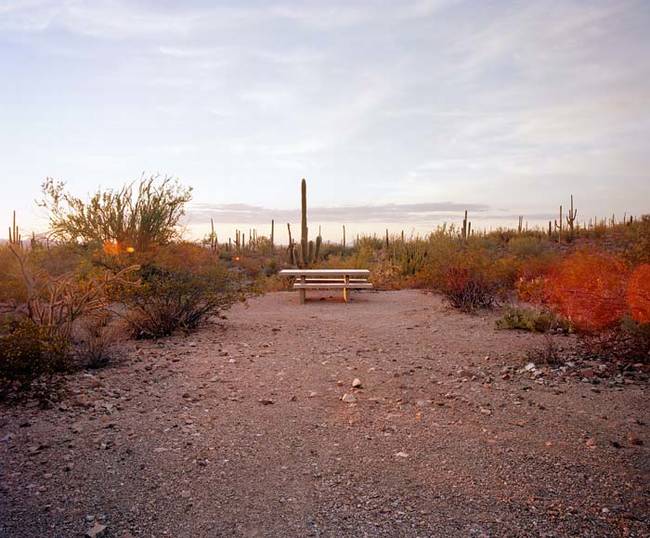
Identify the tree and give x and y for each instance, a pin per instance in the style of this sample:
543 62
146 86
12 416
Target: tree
137 216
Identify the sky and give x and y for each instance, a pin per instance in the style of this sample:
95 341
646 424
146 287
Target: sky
400 114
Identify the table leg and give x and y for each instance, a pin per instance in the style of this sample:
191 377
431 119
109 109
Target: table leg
303 291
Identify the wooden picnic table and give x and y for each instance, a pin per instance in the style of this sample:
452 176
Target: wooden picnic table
343 279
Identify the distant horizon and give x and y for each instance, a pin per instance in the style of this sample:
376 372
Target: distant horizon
412 219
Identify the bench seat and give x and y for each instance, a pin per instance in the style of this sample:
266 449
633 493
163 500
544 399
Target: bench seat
332 285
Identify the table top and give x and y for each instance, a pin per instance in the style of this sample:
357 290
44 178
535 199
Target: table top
324 272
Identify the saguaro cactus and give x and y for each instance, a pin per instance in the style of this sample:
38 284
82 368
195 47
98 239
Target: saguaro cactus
304 231
14 233
214 244
272 233
309 250
571 218
467 226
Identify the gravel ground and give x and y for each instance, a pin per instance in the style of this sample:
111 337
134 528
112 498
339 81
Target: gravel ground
241 430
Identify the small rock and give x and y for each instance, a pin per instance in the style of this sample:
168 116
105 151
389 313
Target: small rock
77 427
356 383
485 411
96 531
266 401
401 455
634 439
349 398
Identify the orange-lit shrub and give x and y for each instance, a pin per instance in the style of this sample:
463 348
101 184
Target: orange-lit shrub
638 294
468 278
589 290
532 275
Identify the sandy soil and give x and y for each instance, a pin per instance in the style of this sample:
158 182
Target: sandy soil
240 430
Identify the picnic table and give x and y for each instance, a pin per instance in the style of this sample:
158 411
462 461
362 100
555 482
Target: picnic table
328 279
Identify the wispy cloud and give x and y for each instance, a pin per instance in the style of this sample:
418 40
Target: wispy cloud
381 213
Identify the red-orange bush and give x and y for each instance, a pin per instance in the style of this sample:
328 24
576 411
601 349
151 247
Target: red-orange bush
638 294
589 290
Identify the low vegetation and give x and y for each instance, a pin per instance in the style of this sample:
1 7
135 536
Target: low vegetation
533 320
116 266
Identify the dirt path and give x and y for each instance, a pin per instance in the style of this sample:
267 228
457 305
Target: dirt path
239 430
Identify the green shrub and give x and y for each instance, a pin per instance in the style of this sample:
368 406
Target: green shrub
169 300
126 219
528 319
29 352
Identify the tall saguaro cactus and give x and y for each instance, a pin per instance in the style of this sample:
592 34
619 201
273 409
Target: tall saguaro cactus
467 227
14 234
304 231
309 251
571 218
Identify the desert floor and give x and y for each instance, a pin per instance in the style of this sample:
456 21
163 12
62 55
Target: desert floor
251 427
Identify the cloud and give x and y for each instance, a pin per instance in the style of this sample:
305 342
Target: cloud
504 103
409 213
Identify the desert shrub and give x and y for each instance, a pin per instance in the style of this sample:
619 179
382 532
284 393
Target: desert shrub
170 300
528 319
386 275
95 340
528 247
638 241
130 218
12 288
179 289
628 340
532 275
548 353
467 288
39 338
638 294
29 352
61 259
606 302
251 266
588 288
466 277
